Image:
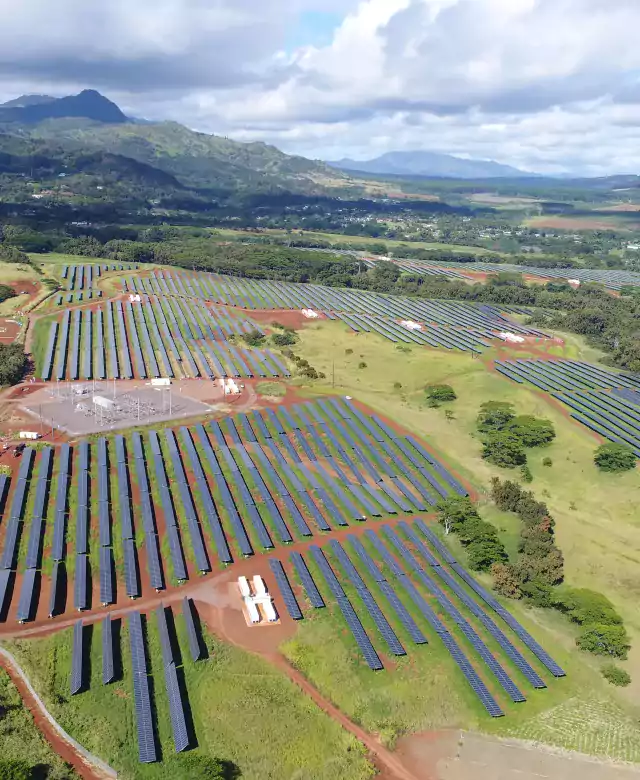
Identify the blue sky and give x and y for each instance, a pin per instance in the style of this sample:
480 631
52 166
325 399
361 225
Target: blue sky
313 28
543 85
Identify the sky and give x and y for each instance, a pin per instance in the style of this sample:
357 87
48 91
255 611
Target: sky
545 85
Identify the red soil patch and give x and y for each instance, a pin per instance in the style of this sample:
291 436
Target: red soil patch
291 318
9 329
622 207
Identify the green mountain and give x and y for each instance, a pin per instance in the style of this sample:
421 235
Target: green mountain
89 124
88 104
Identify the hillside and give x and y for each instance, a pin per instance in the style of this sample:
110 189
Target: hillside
58 132
419 163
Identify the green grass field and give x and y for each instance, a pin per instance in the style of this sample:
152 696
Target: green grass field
21 739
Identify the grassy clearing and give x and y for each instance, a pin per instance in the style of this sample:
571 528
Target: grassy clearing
14 272
243 711
12 305
21 739
274 389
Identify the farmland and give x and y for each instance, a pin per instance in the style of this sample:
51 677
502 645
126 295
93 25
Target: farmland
323 483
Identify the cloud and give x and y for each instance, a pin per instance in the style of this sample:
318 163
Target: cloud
540 84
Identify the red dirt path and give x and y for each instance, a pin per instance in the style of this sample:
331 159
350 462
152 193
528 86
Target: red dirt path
62 748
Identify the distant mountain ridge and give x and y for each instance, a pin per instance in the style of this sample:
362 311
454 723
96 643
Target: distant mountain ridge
423 163
88 104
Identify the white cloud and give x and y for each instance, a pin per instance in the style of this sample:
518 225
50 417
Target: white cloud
542 84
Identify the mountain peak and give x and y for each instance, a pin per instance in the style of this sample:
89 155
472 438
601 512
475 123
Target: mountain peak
88 104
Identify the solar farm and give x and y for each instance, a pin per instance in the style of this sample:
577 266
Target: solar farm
447 324
611 279
125 533
157 338
124 518
607 403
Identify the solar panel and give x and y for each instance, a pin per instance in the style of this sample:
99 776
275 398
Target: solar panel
80 582
25 604
194 644
108 674
146 741
176 709
288 595
106 576
77 658
313 594
165 640
153 561
131 576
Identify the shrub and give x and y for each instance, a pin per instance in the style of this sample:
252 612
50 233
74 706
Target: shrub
362 364
283 339
547 462
397 385
614 457
348 352
440 393
504 449
601 639
494 416
527 476
532 431
615 675
586 606
197 767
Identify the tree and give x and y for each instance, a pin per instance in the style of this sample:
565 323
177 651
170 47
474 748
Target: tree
494 416
11 254
615 675
505 580
601 639
504 449
13 363
6 292
485 551
15 770
614 457
437 394
254 338
532 431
